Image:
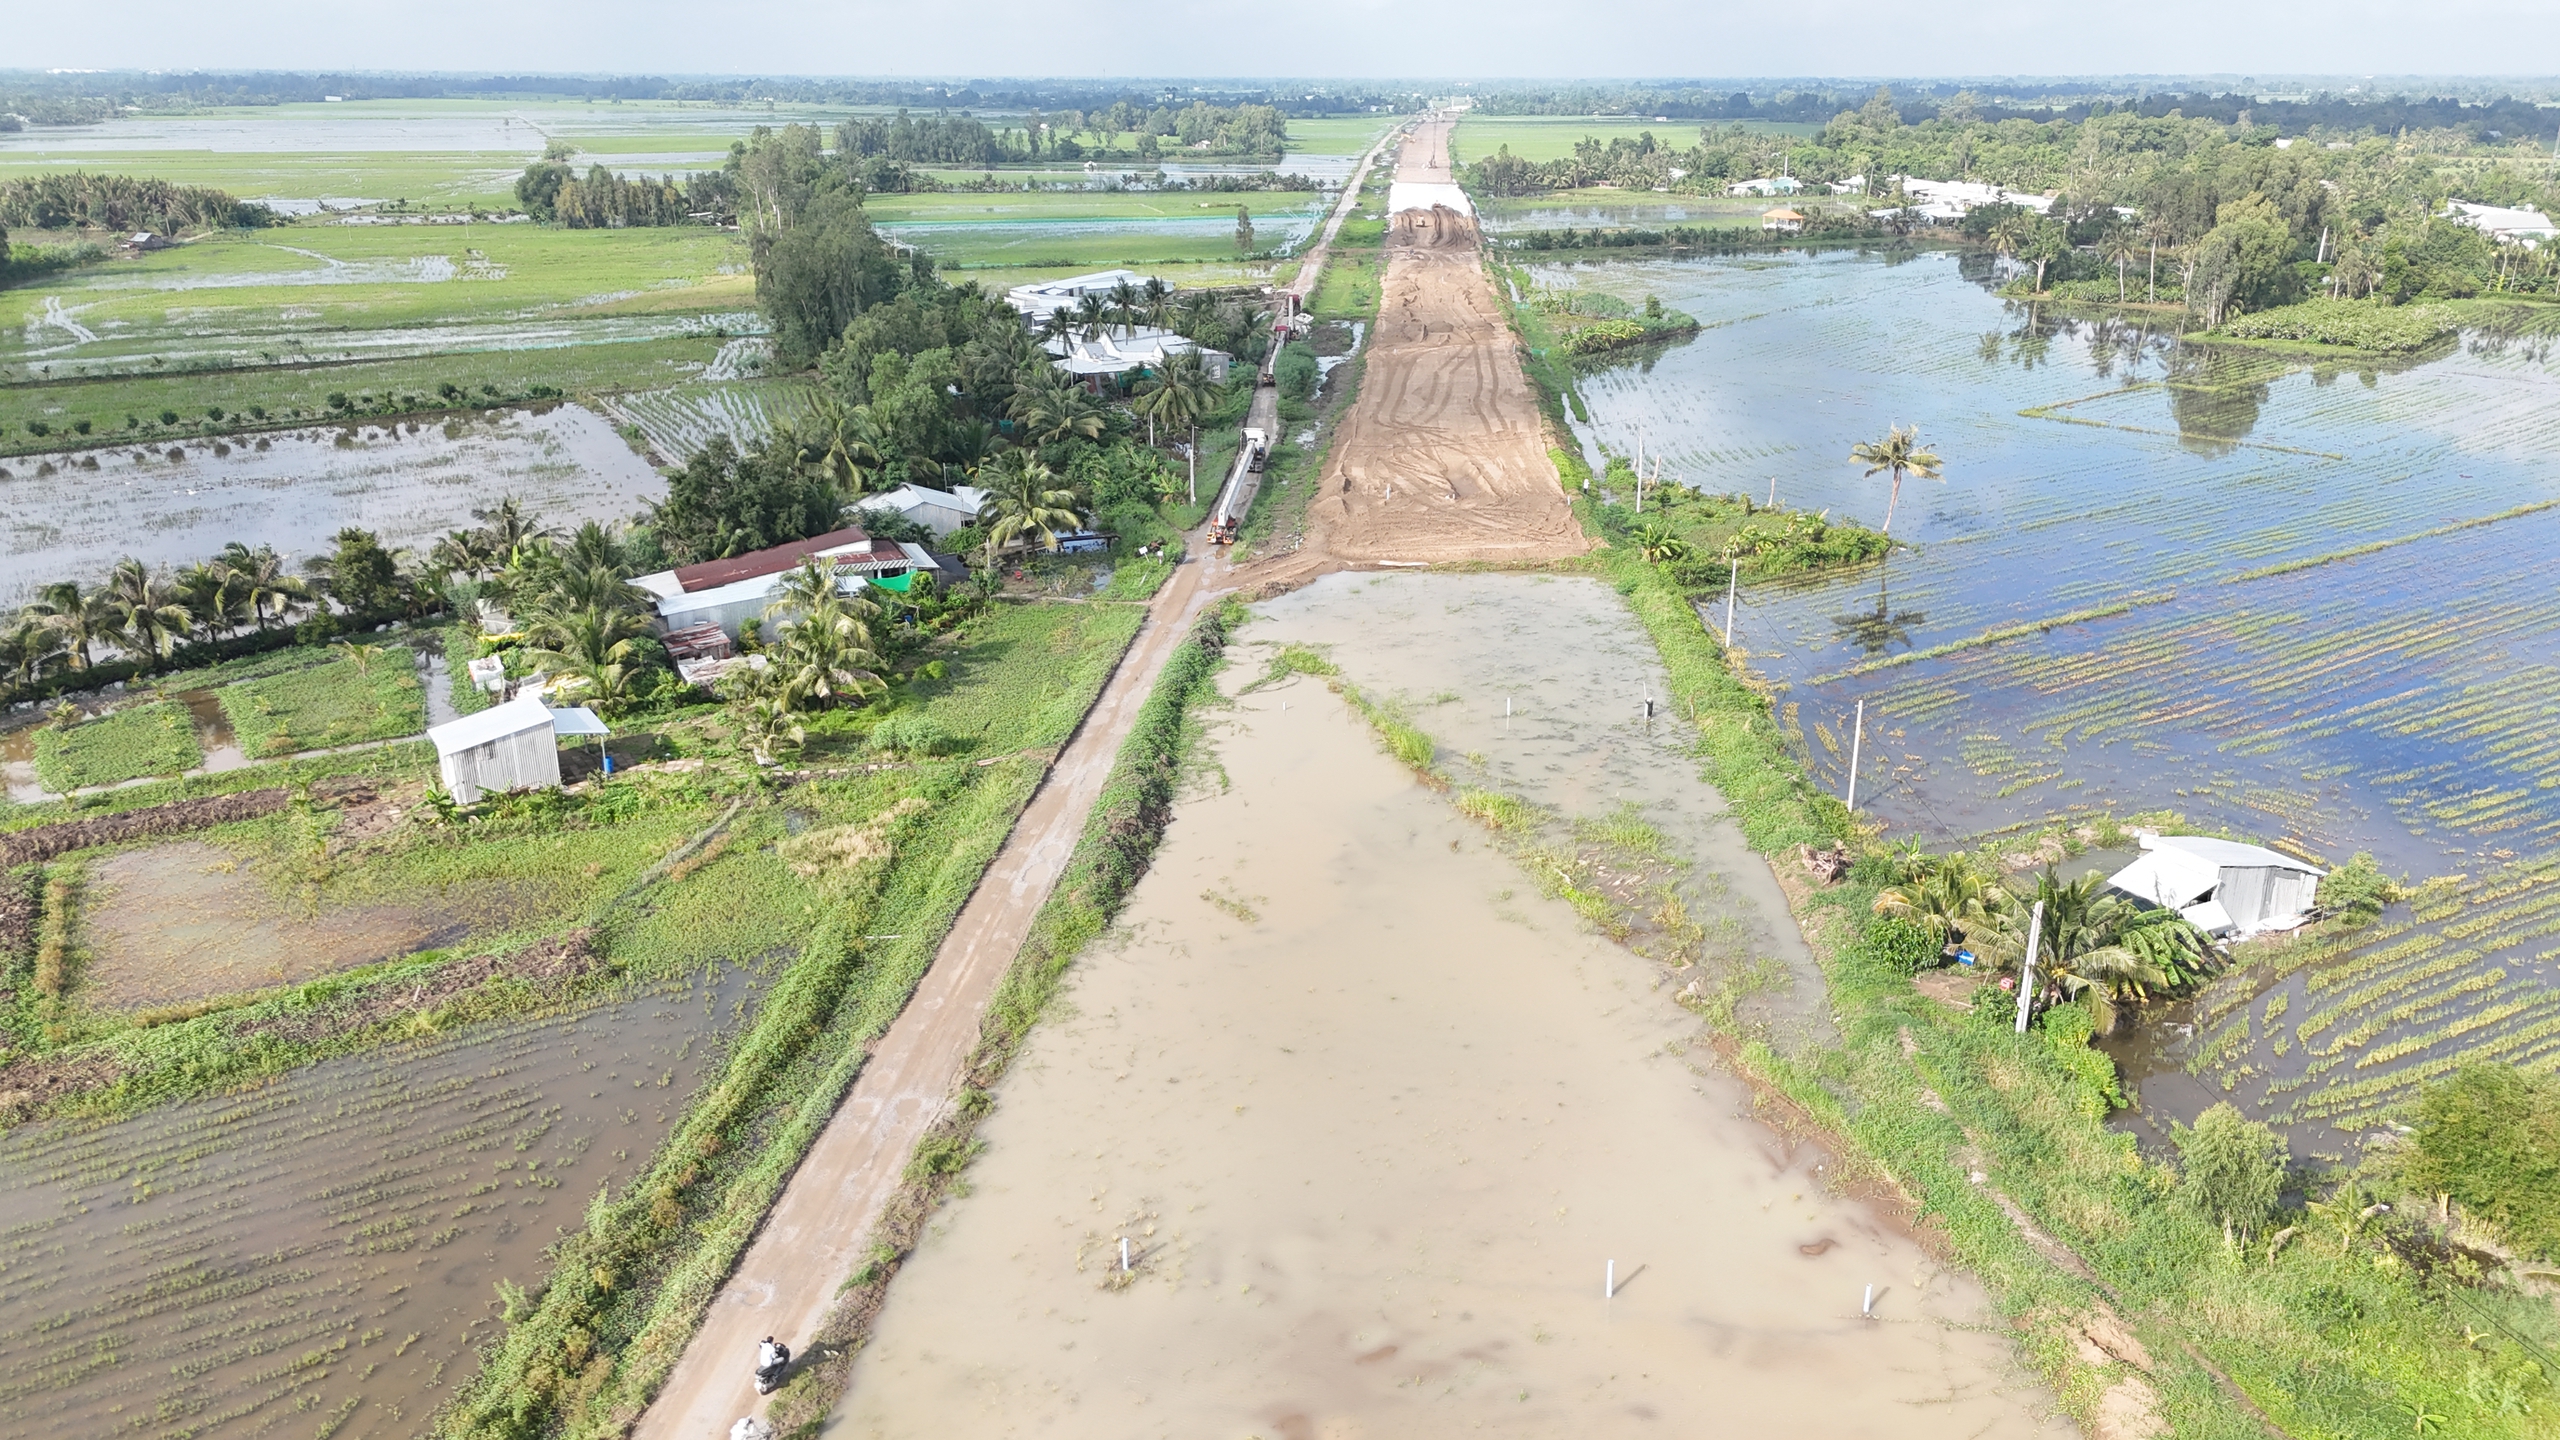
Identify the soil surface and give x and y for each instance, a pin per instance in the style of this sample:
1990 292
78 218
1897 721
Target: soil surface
186 921
1443 456
1377 1119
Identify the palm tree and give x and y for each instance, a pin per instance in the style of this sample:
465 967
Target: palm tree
1053 408
2156 231
845 442
1899 451
588 643
1124 305
767 726
2122 247
1058 324
463 552
2048 242
2084 943
77 619
270 588
1093 317
2011 233
152 619
214 596
27 650
513 530
1179 396
1950 897
1026 502
824 650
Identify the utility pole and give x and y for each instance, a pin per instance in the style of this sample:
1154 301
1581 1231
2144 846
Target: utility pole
2027 977
1857 733
1731 583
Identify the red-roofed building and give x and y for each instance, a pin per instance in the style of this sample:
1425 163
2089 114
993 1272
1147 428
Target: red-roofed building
727 593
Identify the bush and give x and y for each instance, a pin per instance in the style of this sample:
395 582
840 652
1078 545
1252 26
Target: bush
2234 1169
914 735
1905 945
2066 1029
2358 324
1295 372
2489 1136
2357 891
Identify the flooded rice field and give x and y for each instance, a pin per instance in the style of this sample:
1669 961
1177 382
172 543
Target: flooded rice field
2307 602
1381 1124
72 515
682 419
323 1253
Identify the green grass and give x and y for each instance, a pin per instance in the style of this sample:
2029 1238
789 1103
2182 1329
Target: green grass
154 739
338 703
1080 206
1019 676
291 288
288 393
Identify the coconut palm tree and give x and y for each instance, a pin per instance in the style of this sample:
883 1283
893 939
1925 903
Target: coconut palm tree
2083 945
2011 233
767 727
513 530
590 644
1178 396
1053 408
272 589
151 616
1899 452
78 619
844 443
2121 248
1125 305
823 649
1092 317
214 596
1026 502
1952 898
27 650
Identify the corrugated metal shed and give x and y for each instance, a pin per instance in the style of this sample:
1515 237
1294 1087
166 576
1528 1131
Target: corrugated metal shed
2221 885
506 747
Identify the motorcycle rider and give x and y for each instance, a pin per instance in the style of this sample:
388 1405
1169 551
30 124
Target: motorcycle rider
772 1358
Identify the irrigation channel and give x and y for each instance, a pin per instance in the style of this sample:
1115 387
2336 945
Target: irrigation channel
323 1253
2304 601
1398 1144
73 514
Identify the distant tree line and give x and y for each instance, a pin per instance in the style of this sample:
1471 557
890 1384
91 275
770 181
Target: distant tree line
2215 215
2481 117
77 198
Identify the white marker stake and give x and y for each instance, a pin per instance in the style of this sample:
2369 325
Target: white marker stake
1609 1287
1855 735
1867 1307
1732 583
2027 979
1124 1254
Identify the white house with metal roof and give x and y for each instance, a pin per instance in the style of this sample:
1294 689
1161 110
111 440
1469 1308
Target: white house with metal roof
514 746
2521 225
730 592
940 511
2222 886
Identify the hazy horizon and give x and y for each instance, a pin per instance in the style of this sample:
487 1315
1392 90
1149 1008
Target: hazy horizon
1347 39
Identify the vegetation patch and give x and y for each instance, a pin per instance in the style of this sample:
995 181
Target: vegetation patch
2347 324
372 694
141 740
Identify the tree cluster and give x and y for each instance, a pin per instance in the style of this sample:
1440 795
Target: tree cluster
79 199
552 192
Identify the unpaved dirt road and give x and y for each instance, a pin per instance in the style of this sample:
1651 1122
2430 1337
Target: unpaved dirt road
815 1236
1443 456
1376 1117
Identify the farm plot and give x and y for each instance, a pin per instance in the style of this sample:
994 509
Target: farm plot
325 1251
679 421
137 741
2340 1036
375 696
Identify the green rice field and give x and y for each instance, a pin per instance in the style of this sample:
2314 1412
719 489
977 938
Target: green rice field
1552 137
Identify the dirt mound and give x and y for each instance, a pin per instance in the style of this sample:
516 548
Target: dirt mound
1443 457
43 842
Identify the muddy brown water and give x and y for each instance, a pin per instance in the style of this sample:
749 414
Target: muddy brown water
72 515
186 921
1377 1119
321 1254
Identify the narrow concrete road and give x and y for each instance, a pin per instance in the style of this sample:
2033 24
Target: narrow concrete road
814 1239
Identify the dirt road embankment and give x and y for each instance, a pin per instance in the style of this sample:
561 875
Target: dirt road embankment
1443 457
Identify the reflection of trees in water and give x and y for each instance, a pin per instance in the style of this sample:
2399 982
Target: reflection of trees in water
1880 629
2215 398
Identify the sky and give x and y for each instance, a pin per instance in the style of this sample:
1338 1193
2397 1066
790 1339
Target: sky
1342 38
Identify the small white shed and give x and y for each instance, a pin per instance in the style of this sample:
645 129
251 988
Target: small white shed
507 747
2223 886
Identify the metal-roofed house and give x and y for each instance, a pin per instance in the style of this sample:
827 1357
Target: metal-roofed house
727 593
514 746
2222 886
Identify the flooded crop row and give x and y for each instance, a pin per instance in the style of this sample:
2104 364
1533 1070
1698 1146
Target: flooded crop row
2301 601
324 1251
73 515
679 421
